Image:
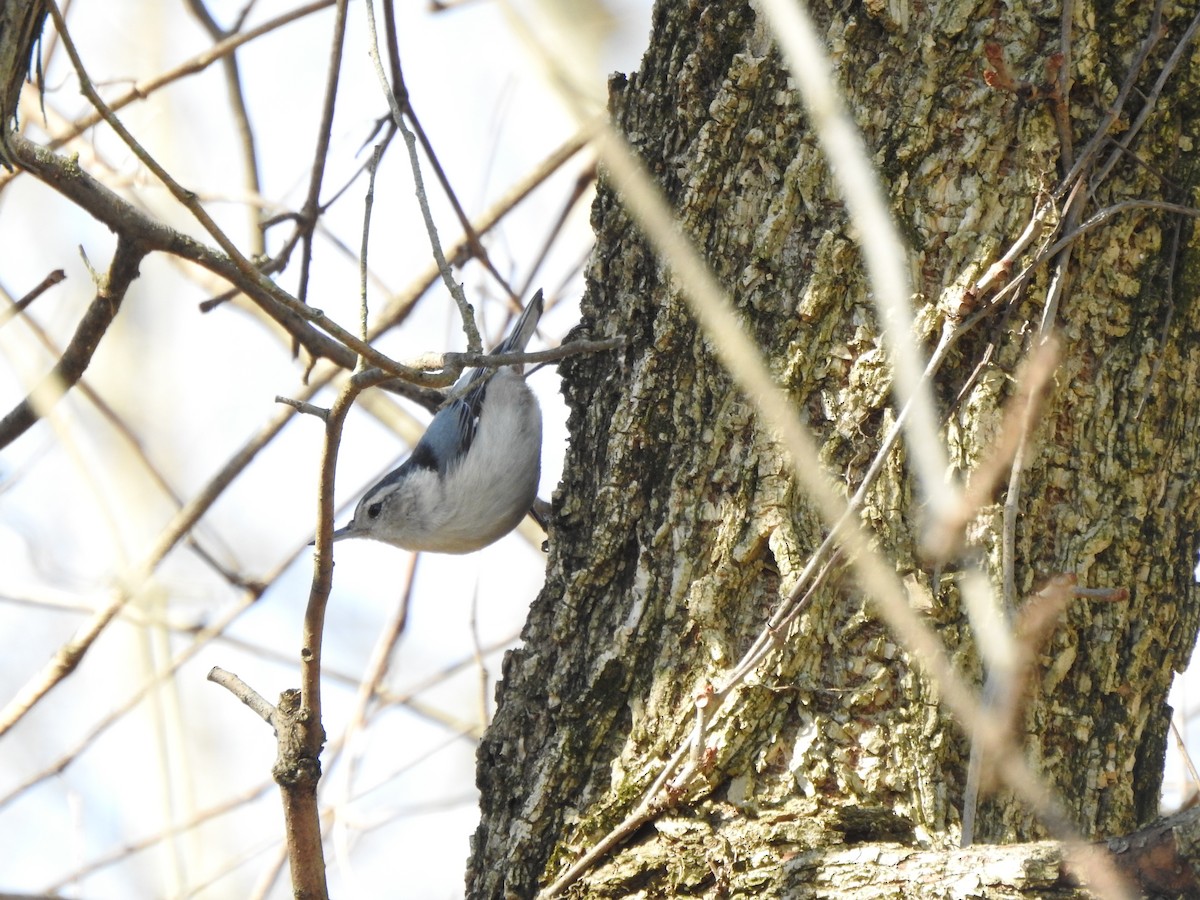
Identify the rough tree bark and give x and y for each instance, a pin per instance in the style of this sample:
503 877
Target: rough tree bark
679 526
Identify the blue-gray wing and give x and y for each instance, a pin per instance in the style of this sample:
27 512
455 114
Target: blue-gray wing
447 438
449 435
443 444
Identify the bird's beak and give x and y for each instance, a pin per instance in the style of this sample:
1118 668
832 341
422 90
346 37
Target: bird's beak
338 534
345 532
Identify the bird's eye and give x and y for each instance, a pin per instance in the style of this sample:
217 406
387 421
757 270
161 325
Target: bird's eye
375 509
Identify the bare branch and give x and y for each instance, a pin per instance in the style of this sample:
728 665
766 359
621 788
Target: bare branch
310 211
474 342
55 277
75 359
243 692
241 117
124 218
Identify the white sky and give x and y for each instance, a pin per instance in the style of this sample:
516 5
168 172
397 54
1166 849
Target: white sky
194 388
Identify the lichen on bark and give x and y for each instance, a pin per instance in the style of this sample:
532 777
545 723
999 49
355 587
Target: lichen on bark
679 525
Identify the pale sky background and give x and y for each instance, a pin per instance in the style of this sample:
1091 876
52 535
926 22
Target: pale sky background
77 512
194 388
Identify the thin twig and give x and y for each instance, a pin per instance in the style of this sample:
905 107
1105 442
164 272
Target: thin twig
19 306
368 206
310 211
241 118
70 180
302 407
187 198
445 368
300 795
1113 112
194 66
78 354
883 251
243 692
1150 101
401 88
1032 379
474 342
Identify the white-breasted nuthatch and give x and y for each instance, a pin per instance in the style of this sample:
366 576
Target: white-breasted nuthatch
474 473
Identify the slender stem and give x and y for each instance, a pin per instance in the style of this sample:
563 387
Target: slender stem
474 342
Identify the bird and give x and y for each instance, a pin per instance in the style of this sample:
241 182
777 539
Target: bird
474 473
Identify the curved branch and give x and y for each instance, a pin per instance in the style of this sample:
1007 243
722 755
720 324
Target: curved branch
75 359
66 177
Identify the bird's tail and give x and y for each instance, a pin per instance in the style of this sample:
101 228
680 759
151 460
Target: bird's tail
524 328
518 337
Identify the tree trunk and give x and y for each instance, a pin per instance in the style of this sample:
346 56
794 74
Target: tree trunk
680 528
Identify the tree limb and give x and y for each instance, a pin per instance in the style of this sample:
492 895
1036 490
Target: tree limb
66 177
75 359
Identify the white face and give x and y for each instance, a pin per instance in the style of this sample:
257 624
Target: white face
398 513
